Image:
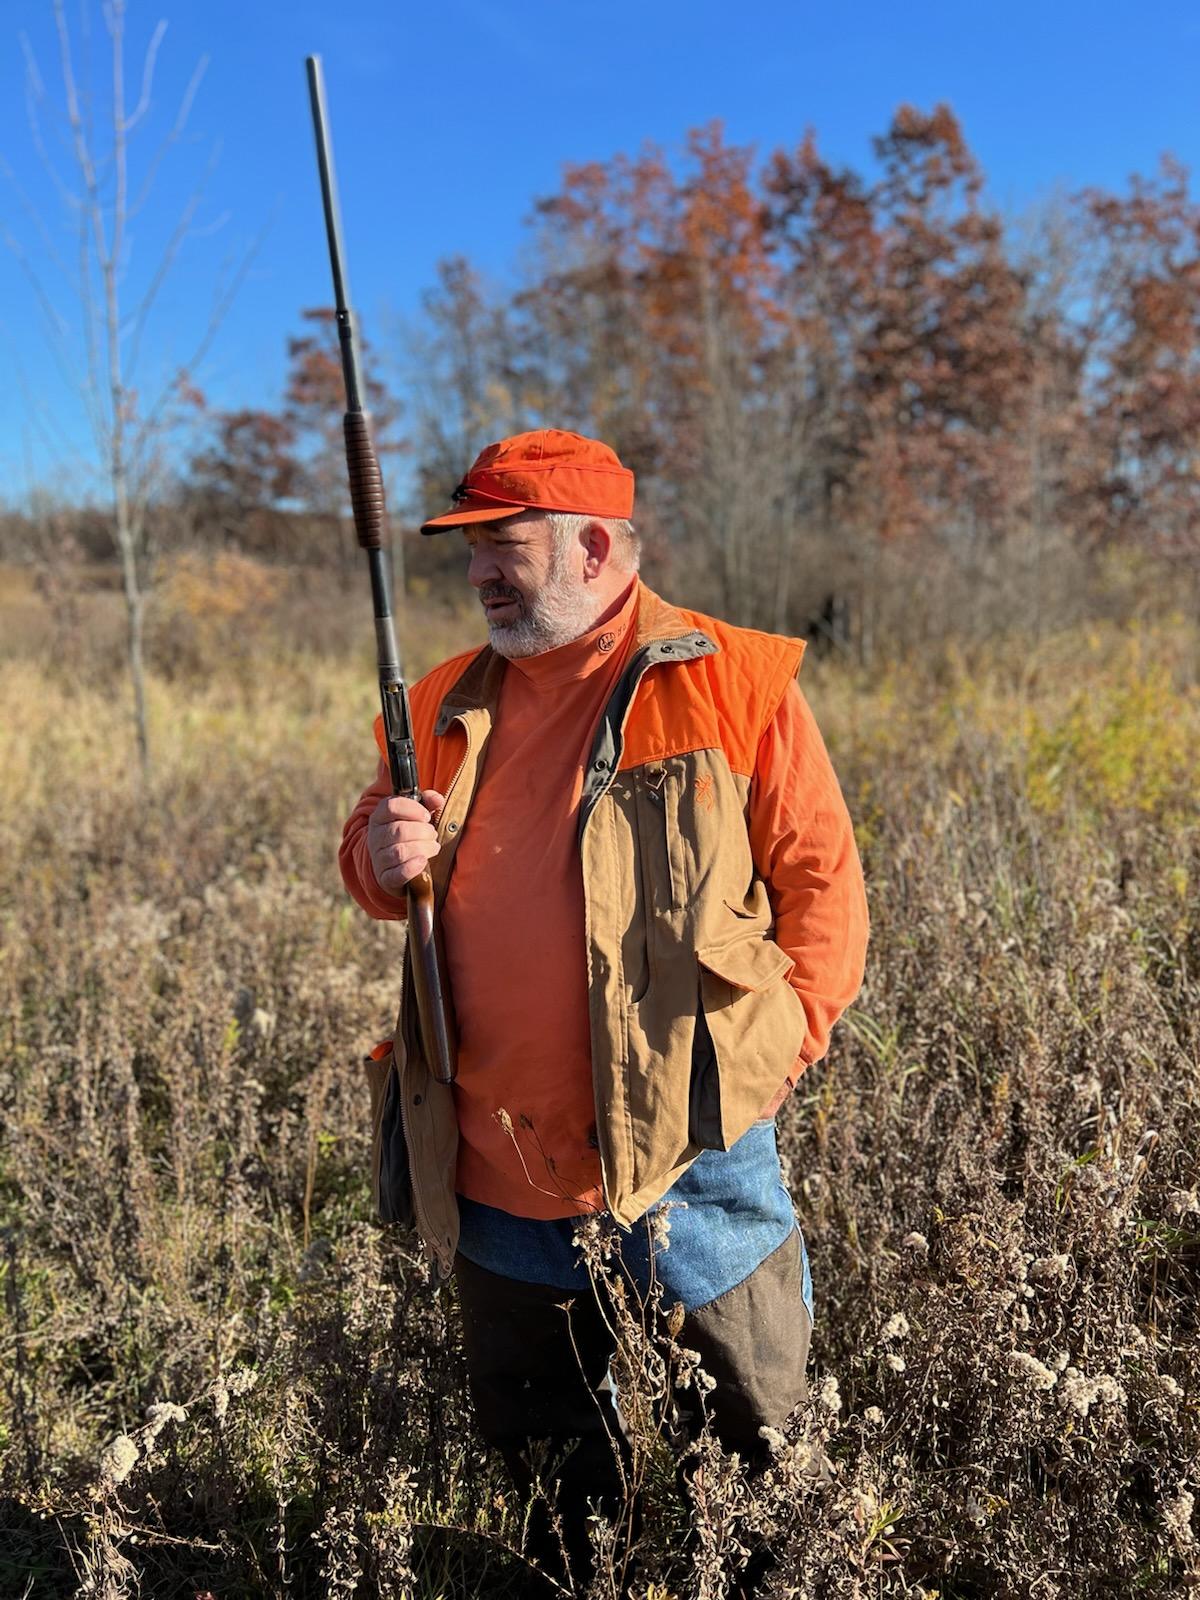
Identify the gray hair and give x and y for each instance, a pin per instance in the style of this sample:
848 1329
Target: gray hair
566 526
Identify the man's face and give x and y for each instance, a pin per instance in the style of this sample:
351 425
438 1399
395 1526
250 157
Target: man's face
531 588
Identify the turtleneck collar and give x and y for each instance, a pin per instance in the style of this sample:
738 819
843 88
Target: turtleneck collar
579 658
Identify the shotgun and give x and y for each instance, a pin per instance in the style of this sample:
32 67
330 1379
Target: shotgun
370 522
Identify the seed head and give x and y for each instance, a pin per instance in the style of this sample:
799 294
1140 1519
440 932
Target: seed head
829 1396
1039 1375
119 1459
1177 1517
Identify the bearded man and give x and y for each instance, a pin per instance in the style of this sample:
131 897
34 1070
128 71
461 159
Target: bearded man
653 913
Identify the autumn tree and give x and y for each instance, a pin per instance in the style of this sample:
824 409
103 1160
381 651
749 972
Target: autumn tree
820 229
790 348
943 363
584 336
241 481
1144 326
868 395
647 325
467 389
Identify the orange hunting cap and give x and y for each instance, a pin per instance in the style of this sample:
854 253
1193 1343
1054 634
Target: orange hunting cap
549 469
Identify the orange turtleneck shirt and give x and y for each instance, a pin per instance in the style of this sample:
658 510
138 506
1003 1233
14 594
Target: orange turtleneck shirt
526 1114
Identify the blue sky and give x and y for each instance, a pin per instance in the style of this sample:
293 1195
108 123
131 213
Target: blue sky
450 118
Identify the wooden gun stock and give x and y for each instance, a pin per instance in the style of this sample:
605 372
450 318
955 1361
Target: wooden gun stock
428 964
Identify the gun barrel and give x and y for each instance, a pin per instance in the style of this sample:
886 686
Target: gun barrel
370 522
333 232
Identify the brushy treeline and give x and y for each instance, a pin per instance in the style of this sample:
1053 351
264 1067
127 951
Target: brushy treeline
810 365
858 396
220 1376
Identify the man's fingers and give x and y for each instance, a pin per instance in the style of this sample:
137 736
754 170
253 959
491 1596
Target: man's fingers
410 828
402 839
400 808
395 879
395 854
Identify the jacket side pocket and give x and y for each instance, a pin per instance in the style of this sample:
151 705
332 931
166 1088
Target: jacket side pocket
704 1090
391 1181
745 1036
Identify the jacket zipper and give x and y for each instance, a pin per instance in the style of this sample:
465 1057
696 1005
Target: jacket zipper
461 765
637 669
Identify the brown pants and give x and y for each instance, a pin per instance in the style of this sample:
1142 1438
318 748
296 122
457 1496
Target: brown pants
538 1363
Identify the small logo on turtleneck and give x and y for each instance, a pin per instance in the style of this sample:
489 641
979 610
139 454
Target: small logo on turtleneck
605 642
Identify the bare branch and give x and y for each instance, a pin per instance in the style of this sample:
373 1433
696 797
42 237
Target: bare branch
85 52
58 323
34 93
92 217
175 134
83 154
35 216
143 104
114 15
146 483
91 221
215 226
61 448
220 310
168 257
33 78
87 304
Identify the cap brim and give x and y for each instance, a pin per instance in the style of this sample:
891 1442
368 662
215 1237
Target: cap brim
459 516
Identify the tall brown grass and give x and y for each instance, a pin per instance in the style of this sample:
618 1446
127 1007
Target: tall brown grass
221 1376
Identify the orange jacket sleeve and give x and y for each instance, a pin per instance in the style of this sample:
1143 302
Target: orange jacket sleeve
354 859
803 846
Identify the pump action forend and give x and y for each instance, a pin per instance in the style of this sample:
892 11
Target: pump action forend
370 522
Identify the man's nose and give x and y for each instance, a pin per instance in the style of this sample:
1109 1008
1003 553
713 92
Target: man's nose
483 567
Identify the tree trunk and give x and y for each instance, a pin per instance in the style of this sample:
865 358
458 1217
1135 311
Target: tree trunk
135 609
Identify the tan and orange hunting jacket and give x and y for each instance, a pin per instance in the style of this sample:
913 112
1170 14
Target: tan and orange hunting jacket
697 1014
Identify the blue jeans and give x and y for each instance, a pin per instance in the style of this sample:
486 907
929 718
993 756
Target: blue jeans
726 1214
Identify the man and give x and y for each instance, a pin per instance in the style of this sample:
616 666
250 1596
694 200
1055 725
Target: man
653 913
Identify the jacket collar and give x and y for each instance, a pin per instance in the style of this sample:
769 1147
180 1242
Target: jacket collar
659 628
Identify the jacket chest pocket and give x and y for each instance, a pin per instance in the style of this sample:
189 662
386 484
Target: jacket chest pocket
660 842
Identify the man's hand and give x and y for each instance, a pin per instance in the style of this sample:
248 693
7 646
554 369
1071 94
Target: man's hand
401 838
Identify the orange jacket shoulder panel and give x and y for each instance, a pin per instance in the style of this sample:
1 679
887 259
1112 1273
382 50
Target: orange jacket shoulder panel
720 701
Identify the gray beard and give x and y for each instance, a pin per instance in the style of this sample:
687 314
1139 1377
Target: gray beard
561 611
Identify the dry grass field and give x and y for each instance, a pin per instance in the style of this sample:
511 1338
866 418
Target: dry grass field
221 1377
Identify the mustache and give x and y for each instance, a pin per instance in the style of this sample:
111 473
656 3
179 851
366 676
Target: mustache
498 591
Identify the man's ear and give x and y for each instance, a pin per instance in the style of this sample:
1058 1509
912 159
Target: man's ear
597 545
